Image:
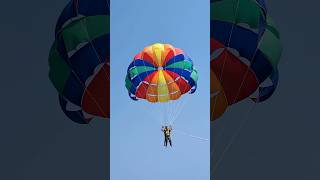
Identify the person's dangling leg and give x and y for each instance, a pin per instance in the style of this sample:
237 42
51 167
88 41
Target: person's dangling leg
165 142
170 141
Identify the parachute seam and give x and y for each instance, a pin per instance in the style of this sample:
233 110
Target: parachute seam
85 88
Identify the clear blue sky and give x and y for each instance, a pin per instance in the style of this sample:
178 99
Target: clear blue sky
137 151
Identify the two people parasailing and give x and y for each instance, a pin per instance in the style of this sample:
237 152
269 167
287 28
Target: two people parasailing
167 135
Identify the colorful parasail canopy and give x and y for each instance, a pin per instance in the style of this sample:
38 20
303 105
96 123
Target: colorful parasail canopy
79 60
161 73
245 52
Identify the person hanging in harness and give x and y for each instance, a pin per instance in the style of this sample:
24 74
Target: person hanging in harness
167 133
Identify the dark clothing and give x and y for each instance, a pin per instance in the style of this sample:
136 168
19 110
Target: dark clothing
166 140
167 132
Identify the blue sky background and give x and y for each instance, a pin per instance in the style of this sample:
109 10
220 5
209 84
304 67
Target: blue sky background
136 142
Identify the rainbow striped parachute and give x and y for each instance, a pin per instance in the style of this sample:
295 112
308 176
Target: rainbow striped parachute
245 52
79 60
161 73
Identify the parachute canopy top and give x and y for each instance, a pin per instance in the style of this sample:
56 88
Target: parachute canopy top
161 73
